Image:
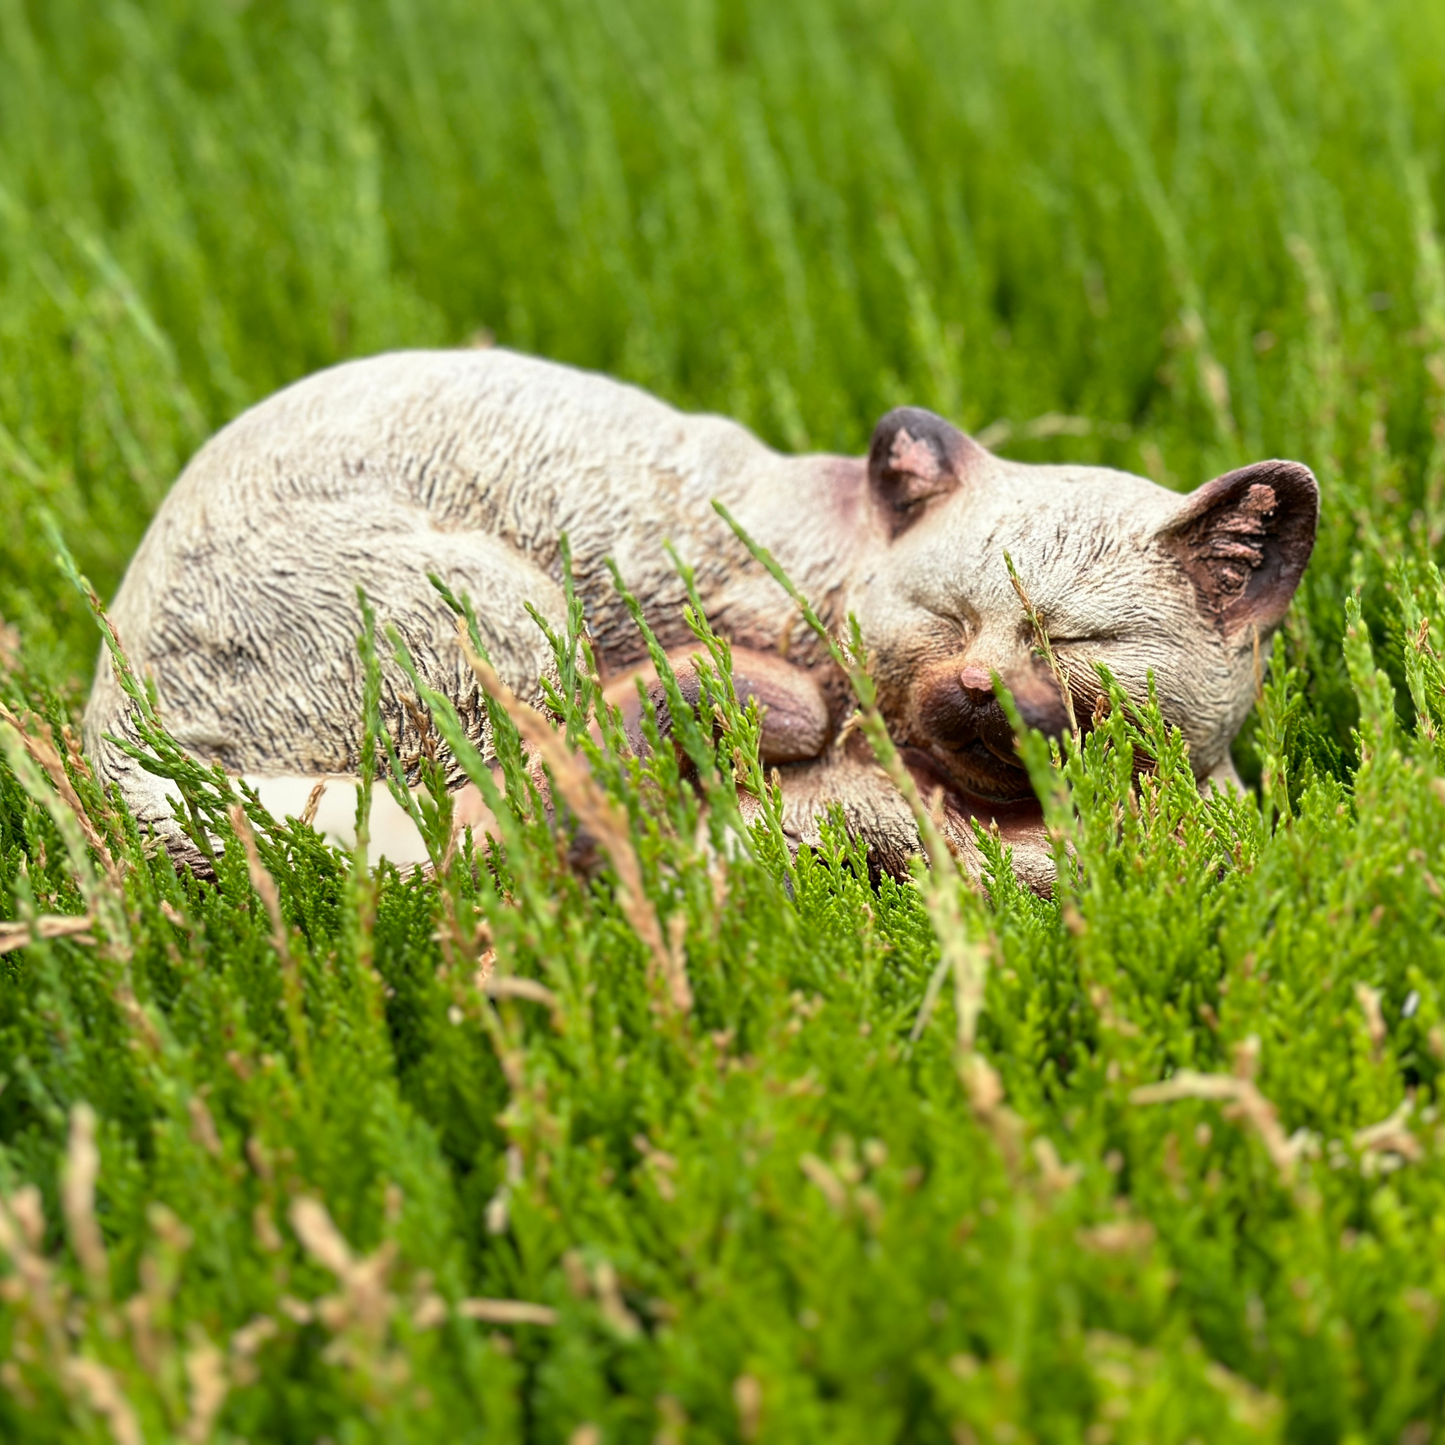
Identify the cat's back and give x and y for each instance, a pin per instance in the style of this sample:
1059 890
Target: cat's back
427 428
477 440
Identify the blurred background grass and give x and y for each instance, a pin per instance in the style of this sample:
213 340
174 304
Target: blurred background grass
1201 231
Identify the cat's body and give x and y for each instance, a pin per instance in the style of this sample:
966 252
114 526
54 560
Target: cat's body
241 602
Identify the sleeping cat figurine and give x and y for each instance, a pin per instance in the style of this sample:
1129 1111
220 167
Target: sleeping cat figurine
241 605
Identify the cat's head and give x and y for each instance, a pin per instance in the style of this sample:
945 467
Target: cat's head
1184 588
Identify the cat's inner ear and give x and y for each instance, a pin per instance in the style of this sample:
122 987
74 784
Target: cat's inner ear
1244 539
914 457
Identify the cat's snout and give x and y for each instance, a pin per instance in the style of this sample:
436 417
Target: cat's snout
957 707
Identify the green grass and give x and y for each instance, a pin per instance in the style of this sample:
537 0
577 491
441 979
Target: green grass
1205 230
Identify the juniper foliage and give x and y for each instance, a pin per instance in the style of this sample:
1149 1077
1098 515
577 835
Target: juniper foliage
710 1143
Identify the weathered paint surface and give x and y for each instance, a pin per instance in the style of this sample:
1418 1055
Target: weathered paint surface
241 601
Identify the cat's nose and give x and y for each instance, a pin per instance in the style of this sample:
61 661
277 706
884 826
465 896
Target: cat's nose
977 680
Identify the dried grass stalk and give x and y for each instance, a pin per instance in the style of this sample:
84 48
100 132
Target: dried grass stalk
1390 1136
49 925
104 1395
1244 1100
507 986
506 1312
40 744
77 1198
596 812
265 886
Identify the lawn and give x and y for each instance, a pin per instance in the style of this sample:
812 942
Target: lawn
731 1146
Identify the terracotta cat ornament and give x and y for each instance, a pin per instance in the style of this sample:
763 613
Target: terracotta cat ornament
241 601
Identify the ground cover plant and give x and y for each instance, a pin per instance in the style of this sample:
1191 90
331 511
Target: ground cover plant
712 1144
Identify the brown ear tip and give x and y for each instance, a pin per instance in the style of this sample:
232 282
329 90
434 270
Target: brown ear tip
915 455
1293 478
1297 506
921 425
1296 492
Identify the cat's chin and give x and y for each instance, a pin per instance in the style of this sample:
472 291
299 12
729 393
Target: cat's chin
982 787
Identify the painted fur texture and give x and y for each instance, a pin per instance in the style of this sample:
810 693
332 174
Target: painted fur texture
240 602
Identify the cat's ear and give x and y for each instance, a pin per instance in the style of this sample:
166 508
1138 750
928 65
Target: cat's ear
915 457
1244 539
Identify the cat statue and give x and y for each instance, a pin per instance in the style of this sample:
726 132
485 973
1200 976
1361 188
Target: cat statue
241 603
